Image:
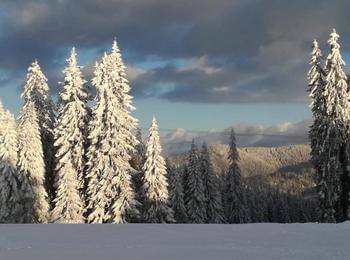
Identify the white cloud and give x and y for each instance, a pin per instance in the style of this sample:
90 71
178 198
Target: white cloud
200 63
134 72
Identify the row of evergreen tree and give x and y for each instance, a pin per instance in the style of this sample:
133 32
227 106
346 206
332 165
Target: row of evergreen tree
69 163
330 131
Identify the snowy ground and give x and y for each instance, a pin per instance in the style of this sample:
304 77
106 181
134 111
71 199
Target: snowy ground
169 242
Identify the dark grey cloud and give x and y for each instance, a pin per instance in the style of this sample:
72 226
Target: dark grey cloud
234 50
201 81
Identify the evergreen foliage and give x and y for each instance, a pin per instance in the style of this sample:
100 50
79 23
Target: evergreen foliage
333 197
156 207
195 201
36 90
70 135
212 190
10 193
235 200
32 167
176 193
316 88
110 194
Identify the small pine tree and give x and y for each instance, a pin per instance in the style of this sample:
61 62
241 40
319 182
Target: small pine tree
10 194
194 189
36 90
176 193
32 168
156 207
235 201
70 142
211 189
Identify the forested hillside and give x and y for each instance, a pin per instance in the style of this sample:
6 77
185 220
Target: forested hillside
287 167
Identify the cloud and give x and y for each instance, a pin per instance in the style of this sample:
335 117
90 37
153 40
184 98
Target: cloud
133 72
224 83
285 133
239 51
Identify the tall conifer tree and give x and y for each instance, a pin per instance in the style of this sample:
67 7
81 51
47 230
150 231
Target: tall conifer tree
111 197
194 188
70 137
316 88
333 178
235 200
36 90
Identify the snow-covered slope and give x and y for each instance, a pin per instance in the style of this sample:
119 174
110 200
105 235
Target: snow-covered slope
172 242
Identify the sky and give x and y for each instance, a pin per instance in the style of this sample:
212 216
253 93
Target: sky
195 64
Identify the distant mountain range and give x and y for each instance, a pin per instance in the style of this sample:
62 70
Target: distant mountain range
282 134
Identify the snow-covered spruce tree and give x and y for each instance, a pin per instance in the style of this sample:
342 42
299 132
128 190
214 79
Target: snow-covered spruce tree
155 195
333 178
176 193
212 191
110 194
10 194
318 129
32 167
194 189
36 90
316 86
235 201
70 137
